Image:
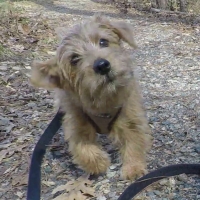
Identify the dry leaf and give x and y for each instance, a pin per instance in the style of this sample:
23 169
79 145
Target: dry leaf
4 146
24 28
101 198
59 188
19 48
48 183
9 152
87 190
61 197
71 196
76 189
21 147
20 180
8 170
20 194
3 154
76 196
53 53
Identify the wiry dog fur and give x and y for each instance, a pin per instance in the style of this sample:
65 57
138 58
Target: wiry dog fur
80 90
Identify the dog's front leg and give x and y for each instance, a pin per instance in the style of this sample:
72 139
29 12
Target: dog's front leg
83 146
133 144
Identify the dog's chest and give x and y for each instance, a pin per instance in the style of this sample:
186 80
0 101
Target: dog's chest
103 122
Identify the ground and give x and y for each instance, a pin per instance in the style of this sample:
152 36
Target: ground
167 60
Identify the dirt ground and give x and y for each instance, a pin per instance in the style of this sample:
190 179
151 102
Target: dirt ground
168 65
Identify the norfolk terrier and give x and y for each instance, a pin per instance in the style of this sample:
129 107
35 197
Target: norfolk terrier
95 86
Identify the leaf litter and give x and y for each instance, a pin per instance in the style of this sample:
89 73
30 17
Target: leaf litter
78 189
168 56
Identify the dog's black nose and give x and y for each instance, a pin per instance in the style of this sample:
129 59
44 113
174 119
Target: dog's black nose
101 66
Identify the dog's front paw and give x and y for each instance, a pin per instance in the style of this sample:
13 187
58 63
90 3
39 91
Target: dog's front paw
97 164
133 171
92 159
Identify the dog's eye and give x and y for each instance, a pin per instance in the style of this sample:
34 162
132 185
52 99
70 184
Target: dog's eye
74 59
103 43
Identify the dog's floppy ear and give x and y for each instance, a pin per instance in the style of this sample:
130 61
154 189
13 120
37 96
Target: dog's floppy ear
45 74
124 31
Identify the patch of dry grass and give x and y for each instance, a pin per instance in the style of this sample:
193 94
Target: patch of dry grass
194 6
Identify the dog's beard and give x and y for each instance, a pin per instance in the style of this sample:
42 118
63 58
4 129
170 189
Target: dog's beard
110 77
101 85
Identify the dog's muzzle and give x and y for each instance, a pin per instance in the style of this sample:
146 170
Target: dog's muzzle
101 66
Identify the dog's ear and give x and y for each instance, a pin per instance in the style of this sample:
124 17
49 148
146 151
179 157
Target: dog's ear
124 31
45 74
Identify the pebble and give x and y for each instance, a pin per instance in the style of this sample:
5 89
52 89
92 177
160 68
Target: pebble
98 188
150 193
164 182
14 75
57 154
182 178
113 187
198 197
101 198
100 178
111 174
17 68
197 148
31 105
154 119
4 121
156 192
28 67
106 191
104 181
4 68
112 194
47 169
113 167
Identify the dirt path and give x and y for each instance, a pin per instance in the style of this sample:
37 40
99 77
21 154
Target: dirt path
168 61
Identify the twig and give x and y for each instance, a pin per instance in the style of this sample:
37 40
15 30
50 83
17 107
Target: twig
168 11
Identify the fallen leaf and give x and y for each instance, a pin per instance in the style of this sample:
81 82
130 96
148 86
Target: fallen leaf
20 194
61 197
76 196
76 189
53 53
19 48
71 196
24 28
4 121
32 40
48 183
20 180
101 198
10 152
3 155
4 146
58 189
21 147
8 170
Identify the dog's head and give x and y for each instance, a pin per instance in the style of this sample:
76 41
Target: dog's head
90 61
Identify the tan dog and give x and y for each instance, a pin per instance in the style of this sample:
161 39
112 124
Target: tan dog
96 88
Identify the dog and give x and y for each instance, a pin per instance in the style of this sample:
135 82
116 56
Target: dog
95 86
